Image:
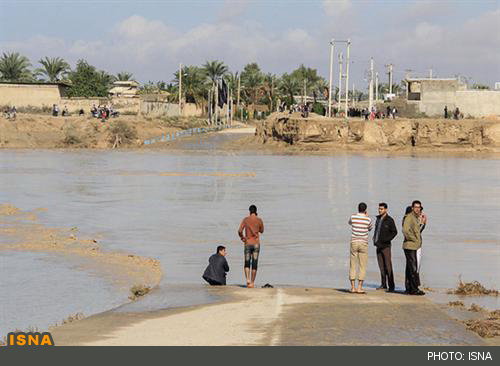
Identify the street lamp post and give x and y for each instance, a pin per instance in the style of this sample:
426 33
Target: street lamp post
332 47
347 78
180 89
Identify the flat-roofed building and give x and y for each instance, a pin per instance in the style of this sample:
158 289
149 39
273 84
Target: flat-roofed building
431 96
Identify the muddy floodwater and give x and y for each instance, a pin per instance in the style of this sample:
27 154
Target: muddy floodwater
179 207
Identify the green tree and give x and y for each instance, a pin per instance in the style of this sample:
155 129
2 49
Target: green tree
251 80
15 67
87 81
214 70
193 83
308 78
106 79
269 84
289 86
54 69
124 76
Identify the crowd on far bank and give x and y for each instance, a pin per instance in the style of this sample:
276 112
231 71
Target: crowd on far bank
385 231
102 112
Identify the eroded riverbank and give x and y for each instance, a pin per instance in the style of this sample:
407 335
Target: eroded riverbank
317 133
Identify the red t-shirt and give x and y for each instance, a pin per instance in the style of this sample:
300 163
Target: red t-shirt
250 228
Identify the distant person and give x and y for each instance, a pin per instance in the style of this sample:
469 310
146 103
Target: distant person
65 111
249 230
388 111
215 273
445 112
55 110
394 112
81 112
361 224
412 242
13 113
456 114
385 231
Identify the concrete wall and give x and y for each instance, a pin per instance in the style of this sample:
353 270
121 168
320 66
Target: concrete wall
43 95
159 108
478 103
473 103
124 105
24 95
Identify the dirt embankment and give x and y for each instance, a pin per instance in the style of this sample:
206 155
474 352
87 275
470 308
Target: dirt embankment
386 134
47 132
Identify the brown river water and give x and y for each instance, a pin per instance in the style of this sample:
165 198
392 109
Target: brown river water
177 207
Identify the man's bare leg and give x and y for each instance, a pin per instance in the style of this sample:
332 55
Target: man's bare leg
353 285
254 274
247 275
360 286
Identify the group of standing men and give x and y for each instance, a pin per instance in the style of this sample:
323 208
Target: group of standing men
385 231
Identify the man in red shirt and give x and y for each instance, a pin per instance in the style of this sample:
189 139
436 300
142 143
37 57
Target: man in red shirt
249 230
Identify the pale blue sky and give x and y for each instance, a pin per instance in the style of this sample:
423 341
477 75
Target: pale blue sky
150 38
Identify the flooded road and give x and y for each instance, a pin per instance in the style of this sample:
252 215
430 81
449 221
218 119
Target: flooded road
135 202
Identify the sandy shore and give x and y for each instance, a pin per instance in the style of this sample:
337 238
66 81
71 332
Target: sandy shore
278 316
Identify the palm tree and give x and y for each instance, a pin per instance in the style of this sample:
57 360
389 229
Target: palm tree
269 85
307 76
232 81
15 67
251 78
193 83
54 68
214 70
106 79
320 87
124 76
289 86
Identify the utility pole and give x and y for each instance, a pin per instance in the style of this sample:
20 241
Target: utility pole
238 98
389 72
340 80
332 47
216 100
347 77
370 87
180 89
272 92
353 96
305 92
376 87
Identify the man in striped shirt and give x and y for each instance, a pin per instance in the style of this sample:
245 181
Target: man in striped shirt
360 225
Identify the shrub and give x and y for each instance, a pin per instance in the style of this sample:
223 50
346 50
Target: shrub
122 133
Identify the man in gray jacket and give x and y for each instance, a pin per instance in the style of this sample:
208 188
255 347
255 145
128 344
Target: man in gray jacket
215 273
412 242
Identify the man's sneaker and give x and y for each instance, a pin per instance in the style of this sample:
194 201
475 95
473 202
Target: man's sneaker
391 290
381 288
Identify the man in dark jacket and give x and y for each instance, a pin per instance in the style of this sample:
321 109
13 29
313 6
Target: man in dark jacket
215 273
385 231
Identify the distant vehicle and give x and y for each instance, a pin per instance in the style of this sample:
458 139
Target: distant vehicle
388 97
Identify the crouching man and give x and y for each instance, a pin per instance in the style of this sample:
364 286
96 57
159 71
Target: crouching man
215 273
